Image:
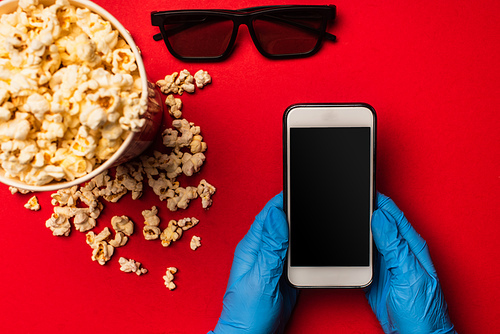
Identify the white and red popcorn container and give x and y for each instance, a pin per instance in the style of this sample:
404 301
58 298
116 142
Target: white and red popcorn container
136 142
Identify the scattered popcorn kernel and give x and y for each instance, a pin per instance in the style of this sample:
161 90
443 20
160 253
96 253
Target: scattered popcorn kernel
66 196
14 190
179 82
119 240
131 266
170 234
151 232
151 216
169 278
89 197
185 82
113 192
198 145
65 211
192 163
163 187
174 106
195 242
181 198
59 225
32 204
202 78
82 220
92 239
124 179
123 224
168 84
102 252
187 223
205 191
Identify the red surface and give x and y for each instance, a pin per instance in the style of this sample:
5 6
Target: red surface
431 71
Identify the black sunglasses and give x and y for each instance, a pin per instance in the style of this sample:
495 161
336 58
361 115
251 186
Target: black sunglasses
277 31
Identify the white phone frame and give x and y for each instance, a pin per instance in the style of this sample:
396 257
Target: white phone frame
329 115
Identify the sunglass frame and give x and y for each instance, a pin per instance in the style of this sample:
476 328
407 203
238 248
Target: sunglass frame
246 17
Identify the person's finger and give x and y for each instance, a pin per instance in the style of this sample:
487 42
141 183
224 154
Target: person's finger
274 245
395 250
248 248
416 243
264 278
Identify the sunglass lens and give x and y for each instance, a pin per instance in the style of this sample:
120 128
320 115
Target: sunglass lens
289 32
198 36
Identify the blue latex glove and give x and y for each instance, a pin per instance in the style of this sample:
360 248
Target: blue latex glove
405 294
257 299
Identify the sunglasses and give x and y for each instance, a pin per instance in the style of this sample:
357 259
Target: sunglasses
278 32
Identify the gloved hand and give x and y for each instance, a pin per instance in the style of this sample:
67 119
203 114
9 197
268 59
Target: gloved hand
257 299
405 294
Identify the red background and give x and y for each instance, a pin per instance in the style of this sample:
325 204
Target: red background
431 71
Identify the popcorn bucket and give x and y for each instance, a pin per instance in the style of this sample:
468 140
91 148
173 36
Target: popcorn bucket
136 142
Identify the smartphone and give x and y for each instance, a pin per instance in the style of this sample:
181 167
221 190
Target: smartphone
329 194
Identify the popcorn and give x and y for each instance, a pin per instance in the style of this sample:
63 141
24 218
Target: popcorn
101 250
70 89
92 239
185 82
170 234
120 240
84 144
113 191
17 128
37 105
151 230
123 224
178 83
205 190
123 61
182 198
174 106
59 225
130 183
187 223
171 137
6 111
32 204
82 220
190 137
151 216
163 187
195 242
168 84
169 278
131 266
197 145
161 171
44 175
192 163
75 166
14 190
66 196
202 78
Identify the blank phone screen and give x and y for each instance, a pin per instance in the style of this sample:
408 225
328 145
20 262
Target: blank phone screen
330 196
